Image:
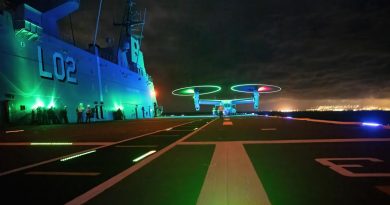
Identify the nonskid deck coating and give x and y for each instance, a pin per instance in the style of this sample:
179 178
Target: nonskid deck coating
257 134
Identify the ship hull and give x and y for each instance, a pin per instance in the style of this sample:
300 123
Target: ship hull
48 72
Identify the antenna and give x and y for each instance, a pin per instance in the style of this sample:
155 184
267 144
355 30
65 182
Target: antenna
142 33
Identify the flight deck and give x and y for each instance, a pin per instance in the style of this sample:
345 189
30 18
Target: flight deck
234 160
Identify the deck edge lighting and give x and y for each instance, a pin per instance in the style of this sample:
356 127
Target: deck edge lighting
372 124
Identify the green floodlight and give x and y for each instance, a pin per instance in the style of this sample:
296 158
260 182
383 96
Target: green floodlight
201 89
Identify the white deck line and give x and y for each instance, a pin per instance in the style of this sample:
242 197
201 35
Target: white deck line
304 141
119 177
268 129
232 179
94 148
73 144
130 146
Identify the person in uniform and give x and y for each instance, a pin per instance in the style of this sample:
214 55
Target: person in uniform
64 115
79 111
220 111
88 113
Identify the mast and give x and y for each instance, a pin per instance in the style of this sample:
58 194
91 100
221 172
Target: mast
133 24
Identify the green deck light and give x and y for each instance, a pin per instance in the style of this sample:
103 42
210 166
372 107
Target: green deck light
51 143
77 155
144 155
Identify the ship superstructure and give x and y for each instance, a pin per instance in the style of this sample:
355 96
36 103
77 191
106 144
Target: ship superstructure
39 71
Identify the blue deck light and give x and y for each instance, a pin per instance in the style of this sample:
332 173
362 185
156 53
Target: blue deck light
371 124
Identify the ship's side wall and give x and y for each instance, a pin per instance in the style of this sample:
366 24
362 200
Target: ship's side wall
24 85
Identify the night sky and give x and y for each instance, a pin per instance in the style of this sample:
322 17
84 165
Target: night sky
321 52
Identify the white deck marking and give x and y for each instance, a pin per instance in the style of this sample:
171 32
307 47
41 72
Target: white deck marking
119 177
86 150
294 141
54 143
63 173
328 121
342 168
13 131
268 129
231 178
164 135
129 146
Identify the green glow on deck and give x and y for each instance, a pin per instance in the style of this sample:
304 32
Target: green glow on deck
77 155
144 155
51 143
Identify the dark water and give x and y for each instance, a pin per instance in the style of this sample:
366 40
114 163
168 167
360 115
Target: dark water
382 117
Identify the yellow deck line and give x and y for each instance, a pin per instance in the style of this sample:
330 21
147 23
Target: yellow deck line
231 178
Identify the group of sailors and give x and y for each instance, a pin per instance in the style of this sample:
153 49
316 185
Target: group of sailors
43 116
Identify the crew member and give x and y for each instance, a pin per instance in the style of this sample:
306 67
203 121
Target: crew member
220 111
88 113
79 111
64 115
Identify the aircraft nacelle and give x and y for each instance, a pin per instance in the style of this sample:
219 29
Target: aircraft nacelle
196 100
256 98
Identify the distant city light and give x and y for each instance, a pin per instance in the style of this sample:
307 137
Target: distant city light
77 155
288 110
372 124
144 155
347 108
288 117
